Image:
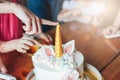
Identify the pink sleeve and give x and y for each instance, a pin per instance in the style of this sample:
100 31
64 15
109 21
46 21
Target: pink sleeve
10 27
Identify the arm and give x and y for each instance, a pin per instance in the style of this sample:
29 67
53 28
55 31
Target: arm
7 46
21 45
6 7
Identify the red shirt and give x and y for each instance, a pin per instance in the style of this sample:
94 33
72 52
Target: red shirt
10 27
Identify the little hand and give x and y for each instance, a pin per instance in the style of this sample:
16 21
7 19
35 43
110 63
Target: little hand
25 43
43 38
109 31
31 21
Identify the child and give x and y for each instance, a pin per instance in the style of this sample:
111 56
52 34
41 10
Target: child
15 18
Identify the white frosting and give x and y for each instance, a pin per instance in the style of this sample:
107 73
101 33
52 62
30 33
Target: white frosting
67 67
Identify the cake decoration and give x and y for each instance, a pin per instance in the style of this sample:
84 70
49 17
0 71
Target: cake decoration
59 62
58 43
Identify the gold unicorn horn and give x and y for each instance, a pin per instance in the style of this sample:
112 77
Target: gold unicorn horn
58 43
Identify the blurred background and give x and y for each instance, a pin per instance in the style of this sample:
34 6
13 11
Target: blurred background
95 12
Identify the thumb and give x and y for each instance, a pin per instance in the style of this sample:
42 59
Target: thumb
24 28
27 27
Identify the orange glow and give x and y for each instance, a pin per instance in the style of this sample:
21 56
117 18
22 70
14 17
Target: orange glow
33 49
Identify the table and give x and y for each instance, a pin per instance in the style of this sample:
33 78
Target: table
101 53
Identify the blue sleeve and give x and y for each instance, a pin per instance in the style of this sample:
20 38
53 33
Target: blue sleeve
47 9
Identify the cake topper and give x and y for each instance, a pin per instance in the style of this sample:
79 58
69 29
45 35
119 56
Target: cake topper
58 43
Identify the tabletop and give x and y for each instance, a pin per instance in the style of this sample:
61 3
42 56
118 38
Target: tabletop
98 51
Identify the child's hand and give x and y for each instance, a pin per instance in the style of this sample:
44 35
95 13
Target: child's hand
31 21
43 38
24 44
2 67
109 31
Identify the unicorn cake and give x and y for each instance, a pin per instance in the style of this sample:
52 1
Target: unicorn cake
59 61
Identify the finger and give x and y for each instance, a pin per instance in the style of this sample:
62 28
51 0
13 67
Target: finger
27 42
47 22
37 43
31 42
38 25
24 28
29 33
44 37
49 37
34 26
28 25
21 50
24 46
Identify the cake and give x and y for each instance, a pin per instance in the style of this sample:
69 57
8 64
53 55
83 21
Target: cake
58 62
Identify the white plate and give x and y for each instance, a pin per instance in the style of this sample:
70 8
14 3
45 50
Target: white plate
6 76
90 73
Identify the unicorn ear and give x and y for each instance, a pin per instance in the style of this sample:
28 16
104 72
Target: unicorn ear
49 50
69 46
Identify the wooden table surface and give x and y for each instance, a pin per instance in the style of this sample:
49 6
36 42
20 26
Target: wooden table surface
101 53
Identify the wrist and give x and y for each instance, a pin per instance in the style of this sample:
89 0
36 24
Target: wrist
8 46
13 44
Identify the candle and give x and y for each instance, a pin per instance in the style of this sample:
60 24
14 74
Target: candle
58 43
